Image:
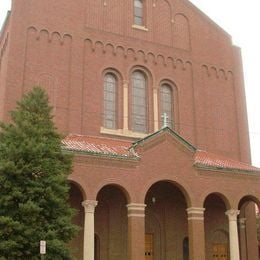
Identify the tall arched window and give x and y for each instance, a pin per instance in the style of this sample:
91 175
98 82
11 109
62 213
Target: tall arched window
110 93
138 12
139 102
166 105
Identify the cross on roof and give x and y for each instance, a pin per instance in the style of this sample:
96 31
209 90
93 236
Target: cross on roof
165 120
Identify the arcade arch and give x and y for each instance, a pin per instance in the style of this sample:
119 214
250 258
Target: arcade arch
247 226
166 222
216 226
111 223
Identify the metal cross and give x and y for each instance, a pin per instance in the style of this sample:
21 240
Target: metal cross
165 120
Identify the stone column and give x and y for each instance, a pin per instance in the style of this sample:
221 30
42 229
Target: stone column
233 234
136 231
196 233
89 234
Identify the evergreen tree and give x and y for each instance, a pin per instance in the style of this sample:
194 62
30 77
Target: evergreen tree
33 183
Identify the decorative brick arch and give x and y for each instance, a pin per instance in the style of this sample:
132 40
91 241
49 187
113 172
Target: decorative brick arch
79 187
249 198
119 187
174 184
221 196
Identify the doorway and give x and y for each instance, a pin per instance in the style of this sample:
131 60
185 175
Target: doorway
220 251
149 248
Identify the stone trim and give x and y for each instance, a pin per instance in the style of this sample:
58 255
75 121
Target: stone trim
122 132
195 213
139 27
136 210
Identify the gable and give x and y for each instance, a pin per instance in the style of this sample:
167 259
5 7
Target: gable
163 134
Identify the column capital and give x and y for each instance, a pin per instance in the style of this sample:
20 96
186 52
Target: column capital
232 214
125 83
136 210
89 205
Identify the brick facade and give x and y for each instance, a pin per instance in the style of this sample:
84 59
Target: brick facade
67 47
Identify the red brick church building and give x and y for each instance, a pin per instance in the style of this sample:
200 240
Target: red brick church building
150 97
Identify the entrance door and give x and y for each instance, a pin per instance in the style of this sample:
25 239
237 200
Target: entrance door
148 246
220 252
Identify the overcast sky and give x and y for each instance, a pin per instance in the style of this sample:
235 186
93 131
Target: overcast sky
241 20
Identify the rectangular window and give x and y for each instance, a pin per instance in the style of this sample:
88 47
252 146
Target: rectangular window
138 12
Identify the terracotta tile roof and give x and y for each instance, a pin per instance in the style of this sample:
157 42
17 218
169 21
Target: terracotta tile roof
207 159
99 145
124 149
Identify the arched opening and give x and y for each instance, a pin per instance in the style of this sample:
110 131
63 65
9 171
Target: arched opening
216 227
248 228
111 223
75 200
166 223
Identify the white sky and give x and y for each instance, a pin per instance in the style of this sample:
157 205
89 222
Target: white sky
242 21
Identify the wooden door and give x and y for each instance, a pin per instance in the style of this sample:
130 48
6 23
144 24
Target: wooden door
220 252
149 246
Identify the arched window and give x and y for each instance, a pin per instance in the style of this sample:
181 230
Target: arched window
166 105
110 94
138 12
139 100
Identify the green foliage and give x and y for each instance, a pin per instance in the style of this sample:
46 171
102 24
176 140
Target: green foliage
33 183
